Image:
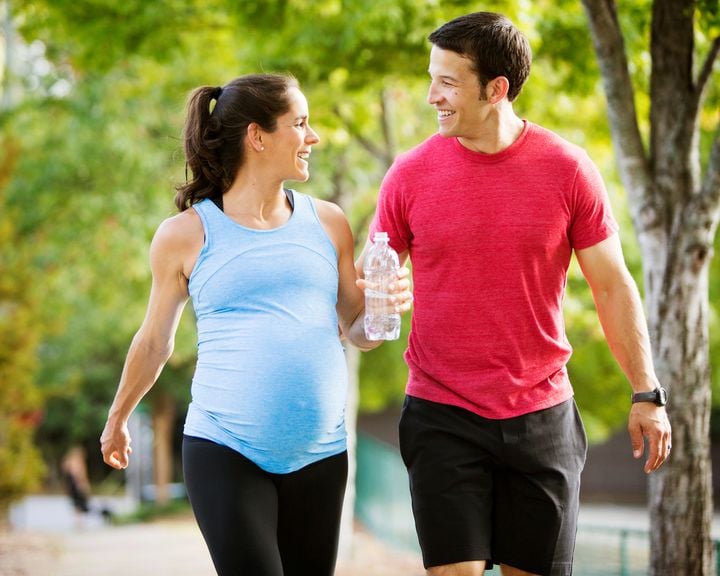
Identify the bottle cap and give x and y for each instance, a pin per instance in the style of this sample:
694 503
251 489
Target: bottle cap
379 236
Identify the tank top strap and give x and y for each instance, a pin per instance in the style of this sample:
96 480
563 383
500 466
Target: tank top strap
215 223
304 209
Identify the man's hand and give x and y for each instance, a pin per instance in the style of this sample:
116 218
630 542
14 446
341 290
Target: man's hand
650 421
401 297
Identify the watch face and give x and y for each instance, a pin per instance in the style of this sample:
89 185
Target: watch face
661 396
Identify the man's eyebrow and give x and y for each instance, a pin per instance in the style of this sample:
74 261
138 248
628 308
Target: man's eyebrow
443 76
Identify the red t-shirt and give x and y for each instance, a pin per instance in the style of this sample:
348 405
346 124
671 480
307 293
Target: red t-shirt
490 238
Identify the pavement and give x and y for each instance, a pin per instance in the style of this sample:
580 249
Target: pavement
46 538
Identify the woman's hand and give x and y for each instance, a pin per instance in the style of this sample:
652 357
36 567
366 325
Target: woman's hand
115 445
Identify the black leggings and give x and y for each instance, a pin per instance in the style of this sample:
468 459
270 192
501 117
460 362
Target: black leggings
261 524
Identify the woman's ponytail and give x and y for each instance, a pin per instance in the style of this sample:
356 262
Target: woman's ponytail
201 145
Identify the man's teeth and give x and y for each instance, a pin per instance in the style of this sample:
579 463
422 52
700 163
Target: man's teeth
445 113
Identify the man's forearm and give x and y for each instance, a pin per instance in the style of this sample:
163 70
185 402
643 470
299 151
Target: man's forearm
623 320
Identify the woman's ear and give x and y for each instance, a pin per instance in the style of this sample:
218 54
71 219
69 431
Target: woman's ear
255 136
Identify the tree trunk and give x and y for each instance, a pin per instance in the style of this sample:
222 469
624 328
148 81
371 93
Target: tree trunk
163 421
680 496
675 217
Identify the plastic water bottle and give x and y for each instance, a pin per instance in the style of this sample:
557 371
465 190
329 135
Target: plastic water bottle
380 268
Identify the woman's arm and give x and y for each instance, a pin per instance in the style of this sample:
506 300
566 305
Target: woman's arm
172 253
351 295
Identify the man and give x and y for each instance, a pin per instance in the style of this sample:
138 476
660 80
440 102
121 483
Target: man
489 211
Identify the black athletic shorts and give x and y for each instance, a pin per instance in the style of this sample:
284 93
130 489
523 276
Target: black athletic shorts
503 491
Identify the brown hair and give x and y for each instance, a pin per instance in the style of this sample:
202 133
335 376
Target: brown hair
494 45
214 138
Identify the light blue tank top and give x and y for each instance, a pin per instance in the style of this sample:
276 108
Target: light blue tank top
271 376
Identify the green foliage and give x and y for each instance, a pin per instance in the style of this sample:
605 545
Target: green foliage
89 190
153 512
316 40
715 341
563 42
709 17
20 399
98 34
382 375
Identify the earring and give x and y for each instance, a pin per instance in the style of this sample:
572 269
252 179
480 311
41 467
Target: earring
262 148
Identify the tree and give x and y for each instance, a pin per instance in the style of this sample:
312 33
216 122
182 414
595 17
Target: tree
21 464
674 201
20 400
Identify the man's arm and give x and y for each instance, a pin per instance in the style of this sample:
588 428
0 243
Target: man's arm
623 321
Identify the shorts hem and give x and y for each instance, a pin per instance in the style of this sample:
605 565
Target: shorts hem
460 556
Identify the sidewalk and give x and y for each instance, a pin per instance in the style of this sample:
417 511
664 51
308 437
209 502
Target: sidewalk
47 541
167 548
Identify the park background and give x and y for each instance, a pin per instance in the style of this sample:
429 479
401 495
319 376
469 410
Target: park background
91 110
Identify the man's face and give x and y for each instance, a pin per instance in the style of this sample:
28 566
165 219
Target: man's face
456 94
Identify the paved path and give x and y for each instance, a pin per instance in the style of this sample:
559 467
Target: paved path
162 548
166 548
47 541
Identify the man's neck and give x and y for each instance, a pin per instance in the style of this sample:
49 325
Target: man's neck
499 133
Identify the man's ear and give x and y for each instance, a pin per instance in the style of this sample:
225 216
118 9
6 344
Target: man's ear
497 89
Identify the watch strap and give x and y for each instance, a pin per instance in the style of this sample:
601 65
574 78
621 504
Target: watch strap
657 396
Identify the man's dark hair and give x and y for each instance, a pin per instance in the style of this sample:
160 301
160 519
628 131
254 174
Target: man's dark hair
492 43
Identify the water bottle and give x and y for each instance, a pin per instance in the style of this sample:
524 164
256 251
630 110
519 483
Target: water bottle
382 322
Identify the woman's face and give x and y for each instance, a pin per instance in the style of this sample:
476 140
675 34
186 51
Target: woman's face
291 142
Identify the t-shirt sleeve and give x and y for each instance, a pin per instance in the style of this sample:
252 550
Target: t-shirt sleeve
592 219
390 211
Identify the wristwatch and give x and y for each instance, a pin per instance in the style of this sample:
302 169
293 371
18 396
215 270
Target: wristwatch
658 396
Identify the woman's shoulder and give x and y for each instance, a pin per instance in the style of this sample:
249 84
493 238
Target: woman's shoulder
328 210
179 230
333 220
331 216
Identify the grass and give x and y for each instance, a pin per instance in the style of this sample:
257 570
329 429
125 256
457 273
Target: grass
150 511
